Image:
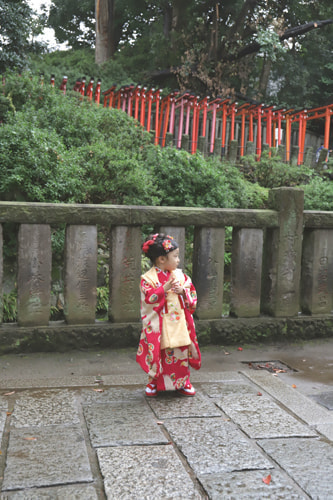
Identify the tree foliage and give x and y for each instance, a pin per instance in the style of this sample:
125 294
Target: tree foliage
213 47
18 27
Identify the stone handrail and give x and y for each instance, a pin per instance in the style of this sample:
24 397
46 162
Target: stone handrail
282 265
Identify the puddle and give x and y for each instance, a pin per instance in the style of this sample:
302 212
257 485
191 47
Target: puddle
274 366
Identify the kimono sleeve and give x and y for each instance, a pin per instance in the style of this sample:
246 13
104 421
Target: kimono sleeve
190 298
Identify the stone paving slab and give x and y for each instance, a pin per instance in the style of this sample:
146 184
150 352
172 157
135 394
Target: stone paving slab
326 430
172 405
45 457
45 407
145 472
220 389
324 399
30 383
213 445
249 485
203 376
4 403
77 492
260 417
308 461
108 395
306 409
122 424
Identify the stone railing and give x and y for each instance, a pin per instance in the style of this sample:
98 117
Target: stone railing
281 278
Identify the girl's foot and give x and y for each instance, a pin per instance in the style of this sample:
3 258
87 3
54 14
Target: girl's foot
151 389
187 390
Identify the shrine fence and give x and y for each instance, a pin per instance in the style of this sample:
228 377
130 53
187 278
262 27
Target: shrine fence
281 271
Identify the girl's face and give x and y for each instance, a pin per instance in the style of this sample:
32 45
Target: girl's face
172 260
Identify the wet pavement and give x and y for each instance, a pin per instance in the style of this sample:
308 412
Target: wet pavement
77 426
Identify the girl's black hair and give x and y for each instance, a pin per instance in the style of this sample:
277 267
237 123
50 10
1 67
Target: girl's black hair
157 245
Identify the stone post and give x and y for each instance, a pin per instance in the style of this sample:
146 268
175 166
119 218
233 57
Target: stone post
294 155
317 272
282 254
178 233
202 144
168 139
125 272
34 275
233 151
185 142
246 268
208 271
218 149
250 148
308 157
80 274
1 274
281 151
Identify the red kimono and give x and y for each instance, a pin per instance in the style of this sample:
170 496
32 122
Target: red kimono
168 343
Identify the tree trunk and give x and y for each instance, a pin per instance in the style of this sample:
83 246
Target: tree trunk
264 77
105 41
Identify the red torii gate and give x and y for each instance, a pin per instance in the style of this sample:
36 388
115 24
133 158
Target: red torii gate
190 114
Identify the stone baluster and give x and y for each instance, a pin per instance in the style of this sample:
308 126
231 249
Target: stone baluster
317 272
80 274
246 265
208 271
125 271
282 254
34 275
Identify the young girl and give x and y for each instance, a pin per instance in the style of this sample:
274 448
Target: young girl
168 343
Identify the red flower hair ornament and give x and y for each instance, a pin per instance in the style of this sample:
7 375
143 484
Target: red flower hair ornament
147 244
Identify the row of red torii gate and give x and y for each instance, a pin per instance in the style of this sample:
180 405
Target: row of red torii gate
188 115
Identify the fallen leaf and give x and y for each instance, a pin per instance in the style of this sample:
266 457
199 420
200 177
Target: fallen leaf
9 412
267 479
30 439
226 353
9 393
99 390
239 348
159 423
294 386
259 394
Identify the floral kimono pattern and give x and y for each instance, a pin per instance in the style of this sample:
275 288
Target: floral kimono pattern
168 345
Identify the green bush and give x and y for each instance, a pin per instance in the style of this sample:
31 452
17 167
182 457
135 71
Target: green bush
318 194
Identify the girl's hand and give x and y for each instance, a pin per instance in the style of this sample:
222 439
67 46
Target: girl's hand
177 288
169 284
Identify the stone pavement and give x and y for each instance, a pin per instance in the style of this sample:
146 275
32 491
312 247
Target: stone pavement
84 436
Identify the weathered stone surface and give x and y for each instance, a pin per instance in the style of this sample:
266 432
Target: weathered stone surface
282 255
125 270
243 485
45 408
176 406
34 274
260 417
81 274
326 430
208 271
214 446
325 399
77 492
298 458
307 410
214 377
122 424
317 272
235 389
30 462
113 395
139 472
246 265
1 272
318 219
